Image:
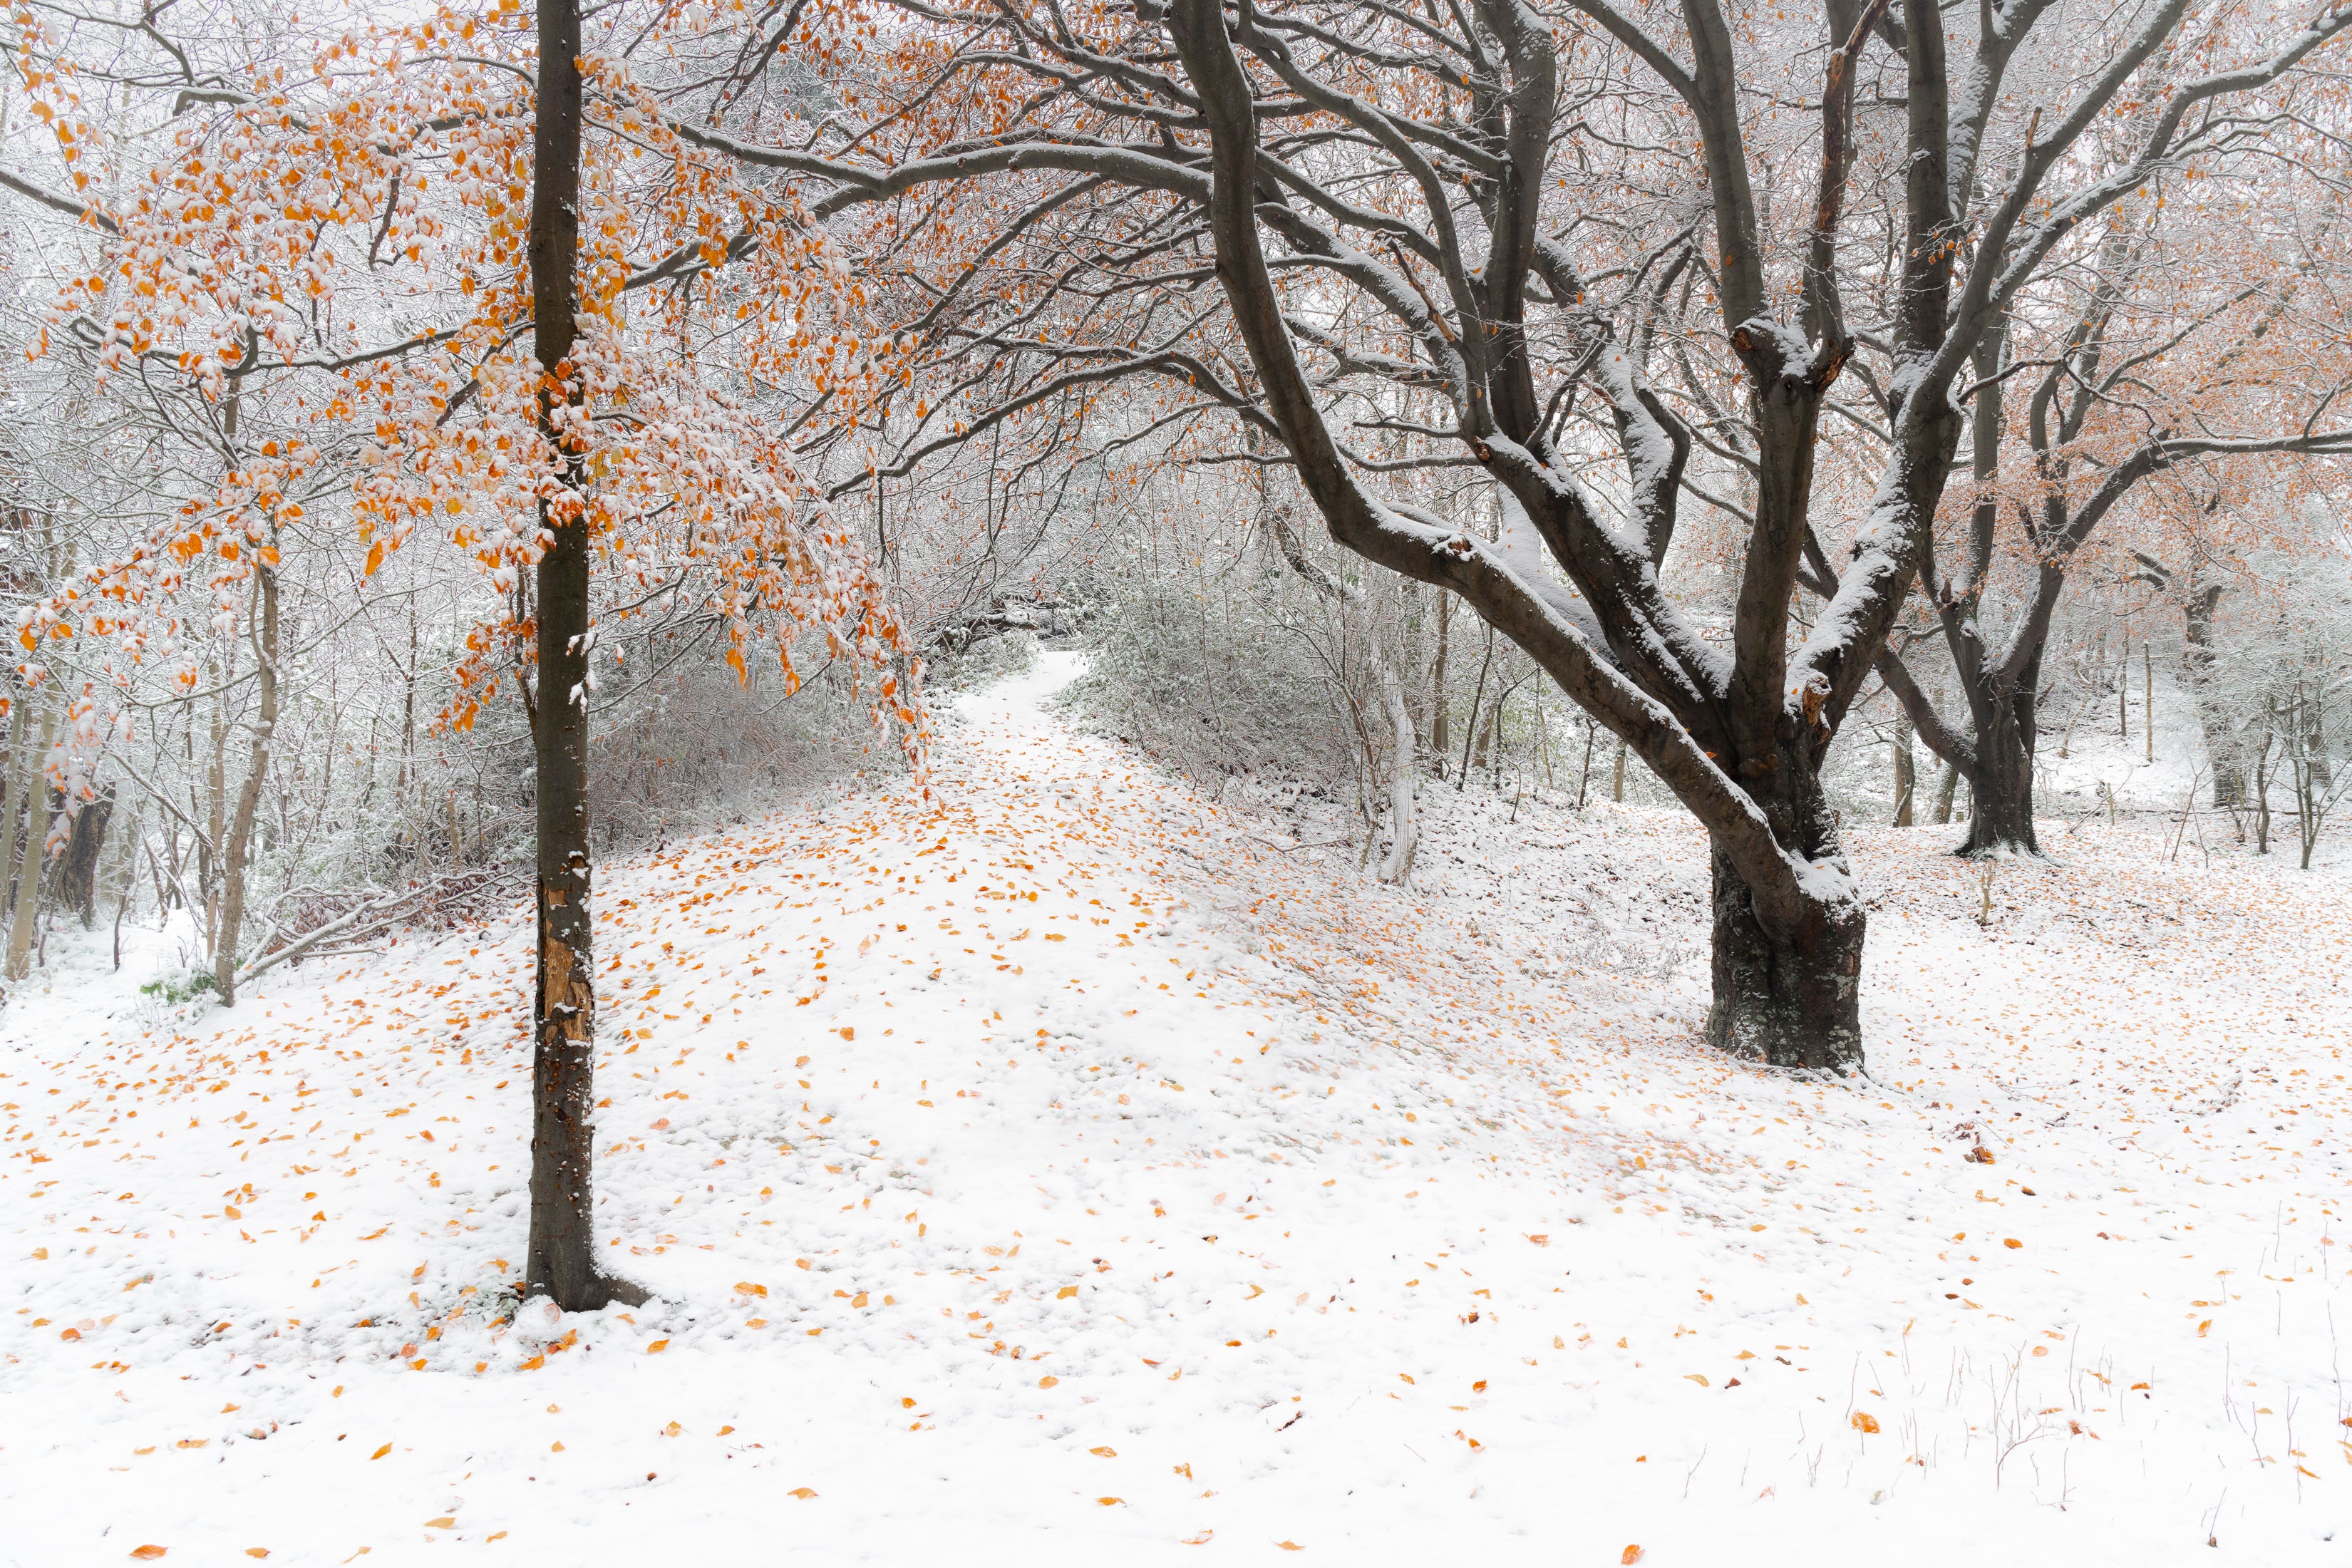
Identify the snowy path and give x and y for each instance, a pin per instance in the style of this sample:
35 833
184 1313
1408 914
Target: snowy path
940 1130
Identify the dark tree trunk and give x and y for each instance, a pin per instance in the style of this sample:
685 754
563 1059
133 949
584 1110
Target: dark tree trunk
1791 997
1792 1001
77 867
2001 810
560 1260
2001 784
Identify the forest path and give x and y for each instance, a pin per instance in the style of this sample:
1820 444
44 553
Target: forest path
940 1128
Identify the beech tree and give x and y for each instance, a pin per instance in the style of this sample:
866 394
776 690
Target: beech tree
1320 220
2194 353
472 270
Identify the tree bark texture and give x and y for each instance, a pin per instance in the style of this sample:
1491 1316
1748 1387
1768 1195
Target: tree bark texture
1790 998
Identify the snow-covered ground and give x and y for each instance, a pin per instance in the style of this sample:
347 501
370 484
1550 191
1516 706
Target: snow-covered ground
938 1128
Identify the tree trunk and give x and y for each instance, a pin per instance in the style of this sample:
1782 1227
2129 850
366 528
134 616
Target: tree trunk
12 801
1439 734
1402 813
2001 784
216 809
78 870
2222 749
2000 788
37 833
2262 782
1404 832
236 852
559 1259
1906 769
1478 701
1793 999
1947 787
1617 776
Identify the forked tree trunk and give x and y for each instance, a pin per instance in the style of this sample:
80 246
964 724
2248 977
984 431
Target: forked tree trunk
559 1259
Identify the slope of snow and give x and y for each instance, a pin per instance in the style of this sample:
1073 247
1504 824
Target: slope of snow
1065 1164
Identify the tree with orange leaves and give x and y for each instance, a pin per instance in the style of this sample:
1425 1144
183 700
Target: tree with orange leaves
481 284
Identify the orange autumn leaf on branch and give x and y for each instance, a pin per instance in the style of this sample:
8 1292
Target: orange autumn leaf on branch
332 248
